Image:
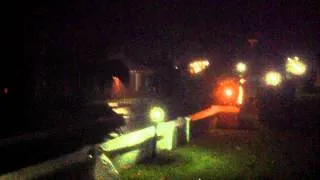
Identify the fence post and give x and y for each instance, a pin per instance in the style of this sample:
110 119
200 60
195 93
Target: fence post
187 128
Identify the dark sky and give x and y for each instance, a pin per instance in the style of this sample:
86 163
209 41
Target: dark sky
54 36
156 28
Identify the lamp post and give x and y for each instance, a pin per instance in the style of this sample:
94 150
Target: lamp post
157 115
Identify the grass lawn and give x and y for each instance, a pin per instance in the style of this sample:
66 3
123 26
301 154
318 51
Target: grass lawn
234 154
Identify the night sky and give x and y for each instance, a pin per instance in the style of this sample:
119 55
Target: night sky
56 35
46 44
92 29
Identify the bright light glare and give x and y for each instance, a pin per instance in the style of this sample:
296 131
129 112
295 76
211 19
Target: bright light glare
157 114
273 78
228 92
242 81
121 110
113 104
241 67
295 66
196 67
126 117
240 95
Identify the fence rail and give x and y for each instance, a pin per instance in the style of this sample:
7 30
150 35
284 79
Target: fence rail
127 149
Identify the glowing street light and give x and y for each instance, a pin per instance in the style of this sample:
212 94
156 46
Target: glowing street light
196 67
157 115
273 78
241 67
295 66
228 92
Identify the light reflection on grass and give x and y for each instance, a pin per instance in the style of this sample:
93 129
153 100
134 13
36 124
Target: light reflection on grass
193 162
226 154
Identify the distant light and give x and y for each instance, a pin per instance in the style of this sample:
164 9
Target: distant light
6 90
157 114
295 66
126 116
206 63
242 81
273 78
241 67
121 110
176 67
228 92
113 104
196 67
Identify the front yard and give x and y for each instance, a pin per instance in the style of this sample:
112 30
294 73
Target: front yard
234 154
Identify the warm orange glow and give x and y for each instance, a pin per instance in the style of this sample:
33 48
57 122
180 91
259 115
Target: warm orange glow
226 92
116 84
213 110
118 88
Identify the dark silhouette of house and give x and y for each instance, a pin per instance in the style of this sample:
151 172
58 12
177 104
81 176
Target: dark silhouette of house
133 77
